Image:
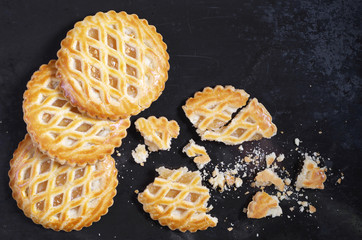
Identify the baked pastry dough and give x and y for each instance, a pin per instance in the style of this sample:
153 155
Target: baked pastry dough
211 110
60 130
140 154
178 200
157 132
311 175
252 123
268 177
201 158
112 65
57 196
264 205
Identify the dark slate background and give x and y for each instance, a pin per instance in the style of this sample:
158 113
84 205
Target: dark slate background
301 59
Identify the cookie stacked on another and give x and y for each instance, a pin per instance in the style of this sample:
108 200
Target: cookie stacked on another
110 66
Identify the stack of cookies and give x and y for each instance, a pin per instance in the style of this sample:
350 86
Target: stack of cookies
110 66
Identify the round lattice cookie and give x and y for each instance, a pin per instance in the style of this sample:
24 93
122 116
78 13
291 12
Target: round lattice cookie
113 65
57 196
60 130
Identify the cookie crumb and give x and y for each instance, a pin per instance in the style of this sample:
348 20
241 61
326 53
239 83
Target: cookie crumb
280 158
312 209
270 159
247 159
287 181
230 229
297 141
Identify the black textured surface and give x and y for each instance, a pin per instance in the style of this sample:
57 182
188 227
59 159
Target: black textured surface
301 59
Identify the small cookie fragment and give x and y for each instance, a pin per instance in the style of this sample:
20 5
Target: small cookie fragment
311 175
199 152
217 179
140 154
157 132
270 159
264 205
178 200
268 177
225 180
248 159
312 209
280 158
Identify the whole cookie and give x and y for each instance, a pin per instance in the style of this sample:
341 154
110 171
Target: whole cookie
57 196
60 130
112 65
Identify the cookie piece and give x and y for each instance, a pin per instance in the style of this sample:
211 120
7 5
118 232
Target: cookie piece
201 158
268 177
252 123
311 175
57 196
157 132
140 154
112 65
211 110
178 200
264 205
60 130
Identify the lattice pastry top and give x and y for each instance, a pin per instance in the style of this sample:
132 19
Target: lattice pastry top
210 111
60 130
57 196
311 175
252 123
112 65
212 108
263 205
157 132
178 200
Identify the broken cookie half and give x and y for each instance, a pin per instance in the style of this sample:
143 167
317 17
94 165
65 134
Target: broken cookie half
210 112
157 132
264 205
178 200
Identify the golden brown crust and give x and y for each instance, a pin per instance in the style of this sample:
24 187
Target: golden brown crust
59 130
198 152
252 123
112 65
57 196
260 206
212 108
157 132
268 177
178 200
311 175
